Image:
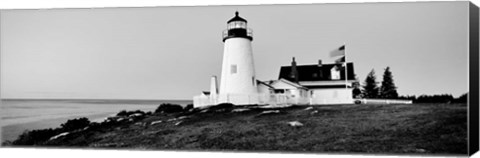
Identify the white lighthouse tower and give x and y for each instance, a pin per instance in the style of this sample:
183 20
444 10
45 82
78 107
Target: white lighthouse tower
238 83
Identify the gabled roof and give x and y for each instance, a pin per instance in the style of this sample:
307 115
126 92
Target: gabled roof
263 83
295 85
315 72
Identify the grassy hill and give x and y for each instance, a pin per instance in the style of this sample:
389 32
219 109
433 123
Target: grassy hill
380 129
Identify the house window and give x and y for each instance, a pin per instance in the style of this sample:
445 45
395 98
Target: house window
233 69
335 73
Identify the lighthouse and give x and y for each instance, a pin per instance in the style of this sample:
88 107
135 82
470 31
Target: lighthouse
238 83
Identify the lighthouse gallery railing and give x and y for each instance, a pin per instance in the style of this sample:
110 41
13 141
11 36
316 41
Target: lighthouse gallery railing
249 33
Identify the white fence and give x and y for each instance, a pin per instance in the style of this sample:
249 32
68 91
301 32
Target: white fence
245 99
331 96
283 99
384 101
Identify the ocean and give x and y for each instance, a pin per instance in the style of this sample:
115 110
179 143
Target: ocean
18 115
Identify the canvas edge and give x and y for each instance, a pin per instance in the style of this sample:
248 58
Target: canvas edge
473 100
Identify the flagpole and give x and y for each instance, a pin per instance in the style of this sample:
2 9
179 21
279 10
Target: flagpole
346 69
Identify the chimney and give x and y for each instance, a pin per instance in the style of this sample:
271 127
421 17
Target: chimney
213 86
320 72
213 90
294 72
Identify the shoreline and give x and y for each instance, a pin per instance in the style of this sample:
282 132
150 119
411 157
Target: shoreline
12 131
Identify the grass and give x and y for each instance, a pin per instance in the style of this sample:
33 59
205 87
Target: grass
379 129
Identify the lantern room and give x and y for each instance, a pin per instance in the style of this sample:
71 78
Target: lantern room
237 28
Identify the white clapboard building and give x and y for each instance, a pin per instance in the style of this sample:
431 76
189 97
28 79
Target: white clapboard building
326 83
297 84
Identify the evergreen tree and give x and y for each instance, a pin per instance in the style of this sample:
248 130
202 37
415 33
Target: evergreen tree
388 89
370 88
356 92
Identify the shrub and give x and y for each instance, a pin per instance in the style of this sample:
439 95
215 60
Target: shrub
437 98
188 107
462 99
39 137
36 137
122 113
358 102
75 124
169 108
221 106
128 113
224 105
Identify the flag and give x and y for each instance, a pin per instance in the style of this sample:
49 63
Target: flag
338 52
340 63
340 60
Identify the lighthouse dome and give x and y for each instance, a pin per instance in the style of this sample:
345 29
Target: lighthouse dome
237 18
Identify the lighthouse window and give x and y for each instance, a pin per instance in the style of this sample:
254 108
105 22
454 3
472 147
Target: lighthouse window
233 25
239 25
233 69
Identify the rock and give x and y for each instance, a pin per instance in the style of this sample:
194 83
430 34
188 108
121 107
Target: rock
270 111
136 115
156 122
295 124
178 123
420 150
240 110
309 108
59 135
182 117
178 118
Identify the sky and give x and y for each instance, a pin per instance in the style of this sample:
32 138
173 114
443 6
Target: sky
171 52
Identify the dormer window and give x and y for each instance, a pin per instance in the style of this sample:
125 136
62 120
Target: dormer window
335 73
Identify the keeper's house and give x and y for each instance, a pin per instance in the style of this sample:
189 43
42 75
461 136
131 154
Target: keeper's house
324 83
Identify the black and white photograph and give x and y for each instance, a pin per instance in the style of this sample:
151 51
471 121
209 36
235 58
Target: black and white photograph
391 78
